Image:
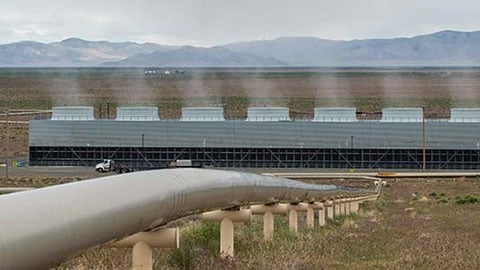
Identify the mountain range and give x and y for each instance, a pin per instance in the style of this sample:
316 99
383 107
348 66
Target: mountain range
445 48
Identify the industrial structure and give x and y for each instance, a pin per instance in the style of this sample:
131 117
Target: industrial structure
268 137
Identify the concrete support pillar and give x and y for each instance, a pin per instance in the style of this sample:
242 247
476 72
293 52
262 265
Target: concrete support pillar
354 206
329 209
226 218
310 217
293 220
293 210
143 242
321 216
360 201
142 257
344 206
336 205
268 212
348 206
226 238
321 213
268 225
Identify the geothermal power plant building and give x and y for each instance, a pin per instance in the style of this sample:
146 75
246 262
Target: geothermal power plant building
334 138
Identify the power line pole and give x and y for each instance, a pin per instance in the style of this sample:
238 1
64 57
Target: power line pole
7 144
424 141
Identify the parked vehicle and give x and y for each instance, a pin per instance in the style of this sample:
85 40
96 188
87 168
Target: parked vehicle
183 163
108 165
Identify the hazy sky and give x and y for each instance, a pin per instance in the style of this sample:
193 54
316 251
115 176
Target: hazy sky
213 22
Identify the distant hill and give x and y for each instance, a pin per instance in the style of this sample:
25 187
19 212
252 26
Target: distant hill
446 48
71 52
438 49
198 57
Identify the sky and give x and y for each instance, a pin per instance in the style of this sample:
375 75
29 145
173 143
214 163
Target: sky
216 22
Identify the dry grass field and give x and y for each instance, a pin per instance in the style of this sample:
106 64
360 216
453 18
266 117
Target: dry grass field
300 89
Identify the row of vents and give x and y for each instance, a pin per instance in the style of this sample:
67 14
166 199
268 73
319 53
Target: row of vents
324 114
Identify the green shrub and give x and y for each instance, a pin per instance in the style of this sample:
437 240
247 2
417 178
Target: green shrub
469 199
196 239
443 200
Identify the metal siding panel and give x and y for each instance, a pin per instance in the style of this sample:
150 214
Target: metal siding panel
366 134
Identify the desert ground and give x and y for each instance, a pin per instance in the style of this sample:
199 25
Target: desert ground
416 223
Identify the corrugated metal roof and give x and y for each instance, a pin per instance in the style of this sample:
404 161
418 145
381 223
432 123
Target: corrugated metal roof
202 114
335 114
137 114
465 115
72 113
402 115
268 114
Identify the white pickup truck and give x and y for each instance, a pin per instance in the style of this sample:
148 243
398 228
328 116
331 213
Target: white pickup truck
108 165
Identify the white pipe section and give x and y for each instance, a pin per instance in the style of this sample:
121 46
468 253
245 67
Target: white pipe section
14 189
47 225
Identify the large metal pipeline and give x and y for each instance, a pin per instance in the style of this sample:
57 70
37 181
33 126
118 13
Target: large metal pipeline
43 227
